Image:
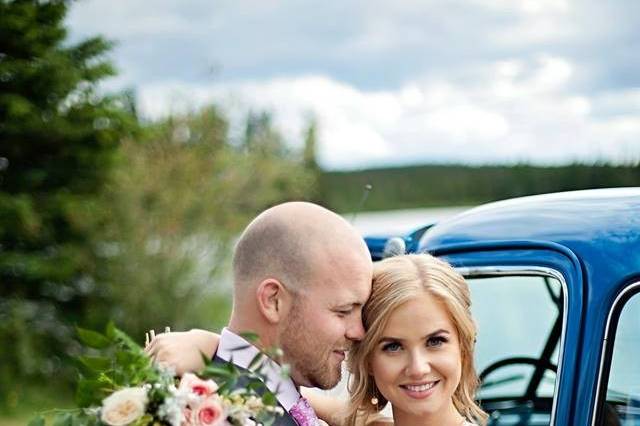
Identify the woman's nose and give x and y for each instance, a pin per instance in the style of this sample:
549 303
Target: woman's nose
418 365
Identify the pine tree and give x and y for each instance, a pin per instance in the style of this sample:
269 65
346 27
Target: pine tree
58 141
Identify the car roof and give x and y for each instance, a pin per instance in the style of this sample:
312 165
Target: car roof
599 226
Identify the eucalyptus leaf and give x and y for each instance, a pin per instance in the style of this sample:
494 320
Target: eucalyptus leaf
213 371
256 386
97 363
93 339
269 399
207 361
90 392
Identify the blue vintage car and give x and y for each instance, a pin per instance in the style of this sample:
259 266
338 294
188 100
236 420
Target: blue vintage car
555 281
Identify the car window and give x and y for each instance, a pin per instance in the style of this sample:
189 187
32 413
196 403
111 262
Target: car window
519 320
622 405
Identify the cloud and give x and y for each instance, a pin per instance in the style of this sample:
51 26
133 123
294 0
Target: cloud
478 81
513 111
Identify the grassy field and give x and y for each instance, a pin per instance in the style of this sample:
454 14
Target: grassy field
27 401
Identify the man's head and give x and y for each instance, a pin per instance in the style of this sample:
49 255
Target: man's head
301 276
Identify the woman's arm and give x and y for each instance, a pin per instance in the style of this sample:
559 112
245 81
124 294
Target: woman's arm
183 350
331 409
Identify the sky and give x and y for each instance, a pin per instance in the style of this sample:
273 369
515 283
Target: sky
392 82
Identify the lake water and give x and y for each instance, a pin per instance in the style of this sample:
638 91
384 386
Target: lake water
400 222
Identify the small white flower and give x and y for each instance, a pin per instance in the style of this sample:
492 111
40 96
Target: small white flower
124 406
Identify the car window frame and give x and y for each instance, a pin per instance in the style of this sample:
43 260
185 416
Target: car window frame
608 343
537 271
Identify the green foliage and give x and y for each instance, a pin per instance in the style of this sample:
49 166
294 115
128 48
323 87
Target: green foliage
450 185
120 363
178 198
58 143
101 217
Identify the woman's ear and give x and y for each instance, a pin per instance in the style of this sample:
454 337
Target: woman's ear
271 296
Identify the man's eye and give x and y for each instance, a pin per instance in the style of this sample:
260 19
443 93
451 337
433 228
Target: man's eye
436 341
391 347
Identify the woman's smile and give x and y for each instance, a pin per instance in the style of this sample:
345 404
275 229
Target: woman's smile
421 390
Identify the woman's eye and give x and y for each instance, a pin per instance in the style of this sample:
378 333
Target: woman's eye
344 312
436 341
391 347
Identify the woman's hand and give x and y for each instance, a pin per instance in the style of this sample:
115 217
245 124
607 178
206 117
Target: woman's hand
183 351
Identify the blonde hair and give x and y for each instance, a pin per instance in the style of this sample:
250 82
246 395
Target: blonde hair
397 280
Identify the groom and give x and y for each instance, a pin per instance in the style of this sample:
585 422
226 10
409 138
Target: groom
301 276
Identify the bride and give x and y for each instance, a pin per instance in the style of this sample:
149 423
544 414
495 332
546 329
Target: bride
417 353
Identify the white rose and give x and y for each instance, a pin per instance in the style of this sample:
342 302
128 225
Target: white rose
124 406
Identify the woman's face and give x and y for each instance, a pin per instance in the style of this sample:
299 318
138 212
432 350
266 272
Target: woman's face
417 364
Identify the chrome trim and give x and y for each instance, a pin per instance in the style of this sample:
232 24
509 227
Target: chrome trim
631 288
488 271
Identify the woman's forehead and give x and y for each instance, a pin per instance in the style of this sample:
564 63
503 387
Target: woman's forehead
423 313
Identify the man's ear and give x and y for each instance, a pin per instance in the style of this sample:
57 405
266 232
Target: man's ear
272 300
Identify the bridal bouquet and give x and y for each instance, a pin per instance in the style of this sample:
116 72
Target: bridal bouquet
119 385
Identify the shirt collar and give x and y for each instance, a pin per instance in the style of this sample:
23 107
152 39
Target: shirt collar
236 348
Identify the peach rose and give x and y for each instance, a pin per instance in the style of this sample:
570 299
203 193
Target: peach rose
209 413
195 384
124 406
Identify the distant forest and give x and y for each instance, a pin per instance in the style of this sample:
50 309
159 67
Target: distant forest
451 185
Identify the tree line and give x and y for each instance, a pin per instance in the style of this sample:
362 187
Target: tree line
457 185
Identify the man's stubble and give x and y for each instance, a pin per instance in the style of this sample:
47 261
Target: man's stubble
309 357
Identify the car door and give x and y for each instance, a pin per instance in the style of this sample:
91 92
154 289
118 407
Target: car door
618 401
527 302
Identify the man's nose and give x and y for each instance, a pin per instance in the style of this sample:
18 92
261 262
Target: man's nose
355 330
419 365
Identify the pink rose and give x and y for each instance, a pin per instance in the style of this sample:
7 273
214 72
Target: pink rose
198 386
209 413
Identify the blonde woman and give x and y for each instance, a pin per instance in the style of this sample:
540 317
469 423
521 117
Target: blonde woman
417 353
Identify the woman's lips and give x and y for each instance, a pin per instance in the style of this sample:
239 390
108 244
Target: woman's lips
420 390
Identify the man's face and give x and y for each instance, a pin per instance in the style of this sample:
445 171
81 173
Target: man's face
325 320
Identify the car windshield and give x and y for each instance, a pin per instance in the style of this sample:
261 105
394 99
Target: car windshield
519 320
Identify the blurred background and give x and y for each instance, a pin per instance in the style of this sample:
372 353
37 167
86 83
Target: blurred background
137 139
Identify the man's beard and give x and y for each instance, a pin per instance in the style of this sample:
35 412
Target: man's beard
307 357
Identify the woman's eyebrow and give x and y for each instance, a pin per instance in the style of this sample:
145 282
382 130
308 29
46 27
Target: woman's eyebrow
440 331
386 339
399 339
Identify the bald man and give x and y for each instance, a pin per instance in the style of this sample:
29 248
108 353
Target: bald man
301 275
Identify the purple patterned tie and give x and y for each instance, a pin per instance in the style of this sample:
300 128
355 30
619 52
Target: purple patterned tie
303 413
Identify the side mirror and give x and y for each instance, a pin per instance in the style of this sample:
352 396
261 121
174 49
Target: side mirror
394 247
